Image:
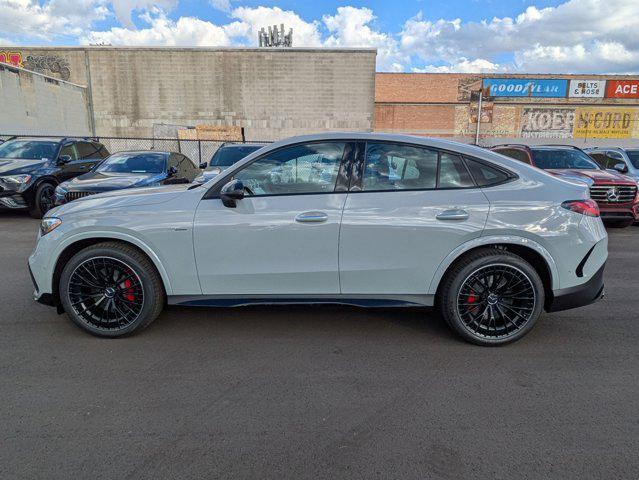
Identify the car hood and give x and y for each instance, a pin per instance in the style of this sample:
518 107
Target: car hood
122 199
106 181
594 176
14 166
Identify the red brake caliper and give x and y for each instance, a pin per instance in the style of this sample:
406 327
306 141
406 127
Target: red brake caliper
129 291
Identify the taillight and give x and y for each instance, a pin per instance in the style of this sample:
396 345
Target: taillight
585 207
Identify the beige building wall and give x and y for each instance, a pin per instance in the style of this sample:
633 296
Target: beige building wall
35 104
272 93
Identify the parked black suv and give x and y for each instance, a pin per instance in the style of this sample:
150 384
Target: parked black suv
30 169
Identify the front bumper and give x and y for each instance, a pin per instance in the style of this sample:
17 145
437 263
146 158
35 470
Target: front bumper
13 200
43 298
578 296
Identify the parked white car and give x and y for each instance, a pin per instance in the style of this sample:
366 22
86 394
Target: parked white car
364 219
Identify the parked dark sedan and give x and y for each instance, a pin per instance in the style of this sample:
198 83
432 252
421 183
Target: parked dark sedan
129 170
228 154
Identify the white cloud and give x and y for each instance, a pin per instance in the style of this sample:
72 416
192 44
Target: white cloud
479 65
164 31
30 19
350 28
123 8
576 36
223 5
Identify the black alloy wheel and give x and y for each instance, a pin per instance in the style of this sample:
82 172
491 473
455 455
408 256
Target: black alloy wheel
491 297
496 301
111 289
44 200
106 293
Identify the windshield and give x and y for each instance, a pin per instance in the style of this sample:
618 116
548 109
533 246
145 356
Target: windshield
633 155
147 162
28 149
227 156
563 159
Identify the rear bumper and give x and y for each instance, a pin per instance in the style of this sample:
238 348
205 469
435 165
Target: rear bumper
578 296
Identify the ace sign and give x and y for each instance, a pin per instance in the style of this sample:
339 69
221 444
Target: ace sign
622 89
586 88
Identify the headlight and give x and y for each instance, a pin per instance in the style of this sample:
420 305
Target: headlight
16 182
60 190
49 224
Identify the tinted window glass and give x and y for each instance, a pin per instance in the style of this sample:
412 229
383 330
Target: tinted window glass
485 175
87 150
600 158
27 149
563 159
308 168
146 162
227 156
633 155
69 150
515 153
453 172
103 151
399 167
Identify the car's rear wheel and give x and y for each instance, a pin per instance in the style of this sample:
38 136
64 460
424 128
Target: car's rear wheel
492 297
111 289
43 200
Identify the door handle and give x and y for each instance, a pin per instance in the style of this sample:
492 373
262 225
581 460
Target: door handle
453 214
311 217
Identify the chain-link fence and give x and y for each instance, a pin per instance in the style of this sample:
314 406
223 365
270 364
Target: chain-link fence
197 150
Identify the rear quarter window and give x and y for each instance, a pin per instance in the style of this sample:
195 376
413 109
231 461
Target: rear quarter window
486 175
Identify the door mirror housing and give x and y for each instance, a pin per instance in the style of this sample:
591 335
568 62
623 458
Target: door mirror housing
621 167
64 159
203 165
231 193
172 170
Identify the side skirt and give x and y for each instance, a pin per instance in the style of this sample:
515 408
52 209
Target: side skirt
355 300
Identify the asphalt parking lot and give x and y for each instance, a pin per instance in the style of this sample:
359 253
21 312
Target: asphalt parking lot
322 392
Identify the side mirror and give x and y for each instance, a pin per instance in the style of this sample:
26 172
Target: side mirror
621 167
64 159
203 165
172 170
231 193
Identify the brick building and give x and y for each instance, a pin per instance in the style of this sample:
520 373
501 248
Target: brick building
577 109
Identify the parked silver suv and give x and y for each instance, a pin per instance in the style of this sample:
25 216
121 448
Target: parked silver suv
355 218
623 160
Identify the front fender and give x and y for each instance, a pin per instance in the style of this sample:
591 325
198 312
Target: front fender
113 235
493 240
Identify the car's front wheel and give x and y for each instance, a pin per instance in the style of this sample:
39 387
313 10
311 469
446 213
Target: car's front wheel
111 289
492 297
43 200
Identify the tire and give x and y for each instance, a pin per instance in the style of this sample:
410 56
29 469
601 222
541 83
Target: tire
111 290
619 223
514 297
40 206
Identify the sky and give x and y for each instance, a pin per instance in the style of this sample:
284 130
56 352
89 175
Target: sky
488 36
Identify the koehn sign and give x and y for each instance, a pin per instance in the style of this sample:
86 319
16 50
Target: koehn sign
622 89
524 87
587 88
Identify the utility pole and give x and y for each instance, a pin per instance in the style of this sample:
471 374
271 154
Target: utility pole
481 94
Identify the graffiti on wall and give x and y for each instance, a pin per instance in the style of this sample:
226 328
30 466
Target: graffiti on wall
48 64
12 58
542 122
606 123
466 86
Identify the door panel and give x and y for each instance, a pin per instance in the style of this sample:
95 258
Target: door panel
282 237
261 246
393 242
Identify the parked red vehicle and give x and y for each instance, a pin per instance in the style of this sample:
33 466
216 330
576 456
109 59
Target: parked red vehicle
615 193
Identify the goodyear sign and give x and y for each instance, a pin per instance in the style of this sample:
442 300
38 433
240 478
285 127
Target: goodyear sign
605 123
524 87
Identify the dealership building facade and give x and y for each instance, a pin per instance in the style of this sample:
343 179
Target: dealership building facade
575 109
